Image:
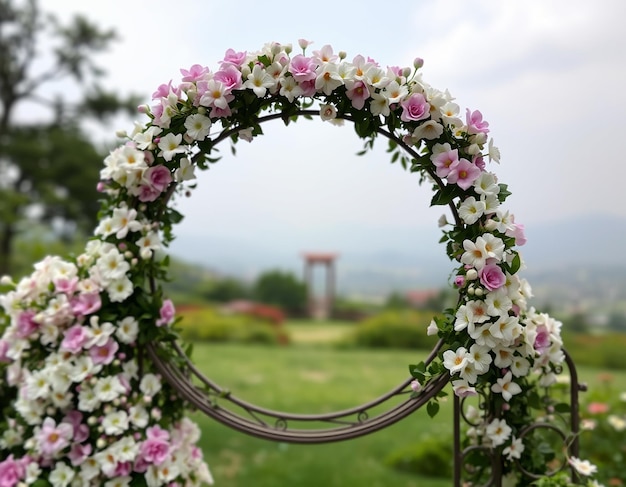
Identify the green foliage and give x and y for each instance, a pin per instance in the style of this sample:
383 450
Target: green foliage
395 329
226 289
431 457
603 350
209 325
281 289
50 165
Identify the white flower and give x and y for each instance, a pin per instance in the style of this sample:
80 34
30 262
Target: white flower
61 476
125 449
108 388
515 449
471 210
259 81
127 330
328 112
186 170
498 431
99 333
328 79
463 389
507 329
289 88
82 367
506 387
112 265
395 92
139 416
520 366
480 357
379 105
583 467
115 423
38 385
120 289
428 130
454 361
87 399
486 184
198 126
143 140
170 146
494 152
123 221
150 384
432 328
618 423
487 246
464 318
148 244
498 302
482 335
118 482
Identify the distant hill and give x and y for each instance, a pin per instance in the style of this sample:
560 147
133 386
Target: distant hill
567 260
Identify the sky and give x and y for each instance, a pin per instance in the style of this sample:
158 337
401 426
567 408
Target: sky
549 78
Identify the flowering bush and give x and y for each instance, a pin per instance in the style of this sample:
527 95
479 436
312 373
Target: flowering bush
603 427
85 405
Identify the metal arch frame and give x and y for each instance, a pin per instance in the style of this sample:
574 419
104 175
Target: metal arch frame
275 425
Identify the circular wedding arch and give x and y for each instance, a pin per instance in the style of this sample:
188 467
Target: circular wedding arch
105 313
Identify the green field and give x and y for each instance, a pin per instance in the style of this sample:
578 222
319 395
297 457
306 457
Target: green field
312 377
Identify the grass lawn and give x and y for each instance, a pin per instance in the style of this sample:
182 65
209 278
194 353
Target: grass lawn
313 379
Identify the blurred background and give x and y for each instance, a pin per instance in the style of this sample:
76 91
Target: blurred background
549 79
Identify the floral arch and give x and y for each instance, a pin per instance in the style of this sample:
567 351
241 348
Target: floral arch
89 359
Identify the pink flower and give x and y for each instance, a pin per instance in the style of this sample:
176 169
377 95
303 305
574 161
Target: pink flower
195 73
445 161
517 231
415 108
598 408
463 174
85 304
25 324
104 354
123 469
79 453
475 123
81 431
302 68
74 339
64 285
233 57
358 93
148 193
12 471
157 433
154 450
167 313
479 161
164 90
459 281
52 438
542 340
159 177
492 277
229 76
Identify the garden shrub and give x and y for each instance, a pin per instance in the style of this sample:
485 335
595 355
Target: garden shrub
431 457
395 329
208 324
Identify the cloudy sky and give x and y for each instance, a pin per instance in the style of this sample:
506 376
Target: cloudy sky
549 77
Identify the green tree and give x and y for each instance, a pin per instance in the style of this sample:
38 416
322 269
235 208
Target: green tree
48 169
281 289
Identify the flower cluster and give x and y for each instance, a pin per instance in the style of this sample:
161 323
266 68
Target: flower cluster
88 405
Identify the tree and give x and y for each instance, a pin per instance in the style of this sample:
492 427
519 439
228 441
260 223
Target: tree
281 289
48 170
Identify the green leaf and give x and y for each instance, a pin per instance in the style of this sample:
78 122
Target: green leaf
444 195
418 371
504 192
516 263
432 408
562 408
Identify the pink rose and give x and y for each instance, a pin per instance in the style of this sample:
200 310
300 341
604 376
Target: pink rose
302 68
159 177
229 76
11 472
415 108
542 340
492 277
236 58
195 73
154 450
